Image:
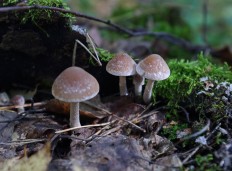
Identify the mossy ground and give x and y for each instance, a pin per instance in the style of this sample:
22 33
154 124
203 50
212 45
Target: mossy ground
41 16
186 81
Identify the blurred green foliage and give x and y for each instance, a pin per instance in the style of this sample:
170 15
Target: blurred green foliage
205 163
171 131
183 18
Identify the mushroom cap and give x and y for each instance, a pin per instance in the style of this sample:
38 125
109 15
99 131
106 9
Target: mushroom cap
18 100
153 67
121 65
75 85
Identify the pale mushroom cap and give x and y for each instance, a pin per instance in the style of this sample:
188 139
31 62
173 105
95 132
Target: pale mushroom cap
121 65
75 85
18 100
153 67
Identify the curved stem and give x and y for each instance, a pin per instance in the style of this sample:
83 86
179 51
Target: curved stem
148 91
74 54
74 115
138 82
122 86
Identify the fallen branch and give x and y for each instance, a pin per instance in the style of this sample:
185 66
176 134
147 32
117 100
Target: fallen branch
160 35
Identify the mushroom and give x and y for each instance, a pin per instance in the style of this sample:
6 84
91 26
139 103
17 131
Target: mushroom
75 85
152 68
121 65
19 101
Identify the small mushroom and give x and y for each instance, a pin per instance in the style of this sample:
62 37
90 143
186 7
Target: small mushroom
18 100
75 85
152 68
121 65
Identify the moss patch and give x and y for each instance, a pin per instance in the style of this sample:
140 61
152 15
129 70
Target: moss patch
38 16
182 88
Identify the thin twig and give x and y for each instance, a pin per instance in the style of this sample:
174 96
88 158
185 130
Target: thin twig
192 154
204 129
95 58
161 35
201 145
85 126
134 125
74 54
145 116
113 115
94 49
18 106
186 113
22 142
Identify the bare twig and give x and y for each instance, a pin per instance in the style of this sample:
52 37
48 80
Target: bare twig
22 142
201 145
161 35
204 129
91 41
85 126
74 54
25 105
192 154
91 54
118 118
186 113
129 122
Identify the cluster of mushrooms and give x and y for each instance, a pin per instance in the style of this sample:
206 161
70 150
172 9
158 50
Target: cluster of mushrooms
75 85
153 68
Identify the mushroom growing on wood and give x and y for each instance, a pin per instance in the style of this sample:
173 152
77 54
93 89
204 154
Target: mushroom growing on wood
75 85
152 68
121 65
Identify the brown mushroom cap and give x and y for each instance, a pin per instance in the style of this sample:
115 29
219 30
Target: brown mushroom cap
75 85
121 65
153 67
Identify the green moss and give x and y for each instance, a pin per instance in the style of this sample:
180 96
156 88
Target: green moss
171 131
41 16
103 55
9 2
183 85
206 163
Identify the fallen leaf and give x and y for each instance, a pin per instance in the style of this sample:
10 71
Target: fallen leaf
87 109
171 161
38 162
111 153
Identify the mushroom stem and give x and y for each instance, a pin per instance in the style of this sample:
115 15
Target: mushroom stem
148 91
21 109
138 82
122 86
74 115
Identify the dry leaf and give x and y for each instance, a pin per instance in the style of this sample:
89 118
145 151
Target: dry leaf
87 109
37 162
